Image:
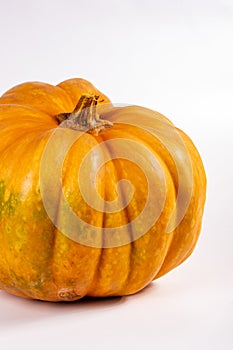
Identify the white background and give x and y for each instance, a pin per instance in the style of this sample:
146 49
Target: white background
173 56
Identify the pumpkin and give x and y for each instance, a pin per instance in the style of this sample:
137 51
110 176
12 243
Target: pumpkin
95 199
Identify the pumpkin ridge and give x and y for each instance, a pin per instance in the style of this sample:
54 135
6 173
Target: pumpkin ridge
51 260
75 87
70 276
35 152
99 268
39 121
175 186
129 134
11 274
30 108
172 234
9 145
131 244
3 232
42 96
130 233
95 277
197 168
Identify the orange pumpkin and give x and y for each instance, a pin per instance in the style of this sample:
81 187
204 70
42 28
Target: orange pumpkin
74 187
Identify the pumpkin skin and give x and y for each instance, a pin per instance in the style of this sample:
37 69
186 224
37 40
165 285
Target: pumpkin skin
39 261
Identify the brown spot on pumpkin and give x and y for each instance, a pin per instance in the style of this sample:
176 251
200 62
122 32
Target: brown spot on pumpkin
68 295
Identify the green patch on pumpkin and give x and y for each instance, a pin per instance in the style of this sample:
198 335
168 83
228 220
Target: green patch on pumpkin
7 206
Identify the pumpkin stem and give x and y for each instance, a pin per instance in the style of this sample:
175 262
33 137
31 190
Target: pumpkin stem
84 117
